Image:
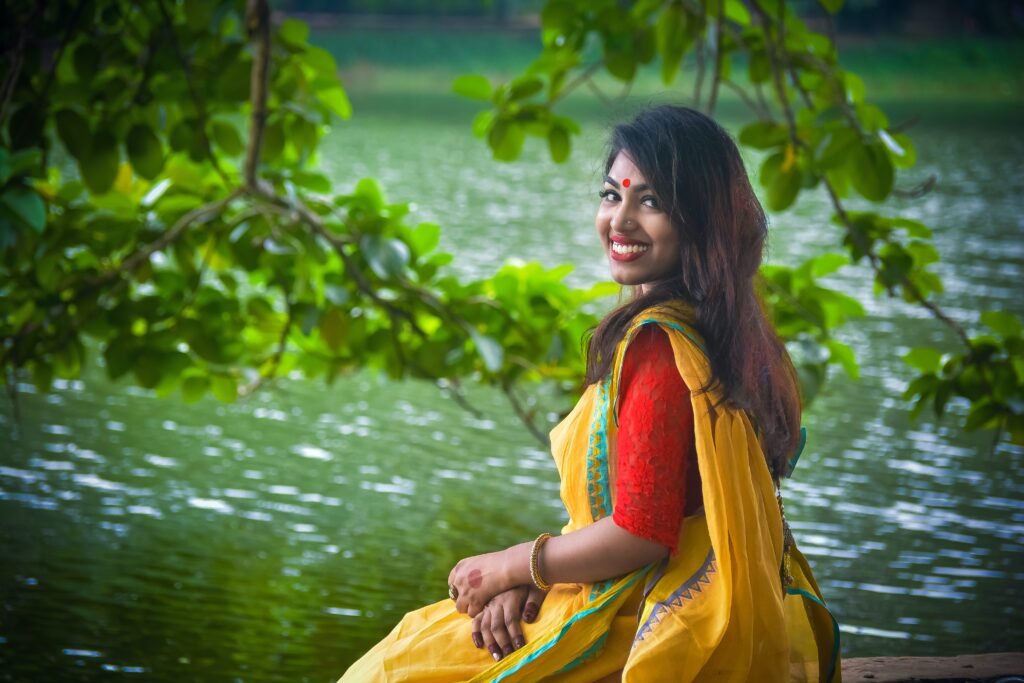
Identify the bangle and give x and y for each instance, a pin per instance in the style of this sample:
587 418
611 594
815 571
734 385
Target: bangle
535 562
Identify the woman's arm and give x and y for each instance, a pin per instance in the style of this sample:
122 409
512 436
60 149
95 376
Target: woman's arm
596 552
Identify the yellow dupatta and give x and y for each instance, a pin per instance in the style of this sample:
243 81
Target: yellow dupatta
717 611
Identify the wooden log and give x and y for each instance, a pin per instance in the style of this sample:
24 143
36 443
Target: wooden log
962 669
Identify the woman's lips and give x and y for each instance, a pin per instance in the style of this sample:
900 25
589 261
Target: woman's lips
631 251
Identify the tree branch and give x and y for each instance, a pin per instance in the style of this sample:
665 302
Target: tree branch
275 360
582 77
257 19
525 417
716 76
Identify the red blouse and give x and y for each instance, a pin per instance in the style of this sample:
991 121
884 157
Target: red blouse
657 482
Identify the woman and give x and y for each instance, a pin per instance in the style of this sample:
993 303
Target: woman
676 564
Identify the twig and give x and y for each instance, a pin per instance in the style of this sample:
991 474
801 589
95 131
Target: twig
717 73
581 78
275 360
257 20
524 417
759 110
17 52
919 190
780 87
700 72
10 383
454 389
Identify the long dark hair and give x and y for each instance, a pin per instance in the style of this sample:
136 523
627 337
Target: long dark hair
696 172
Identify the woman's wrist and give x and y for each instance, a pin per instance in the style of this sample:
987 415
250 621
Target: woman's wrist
517 564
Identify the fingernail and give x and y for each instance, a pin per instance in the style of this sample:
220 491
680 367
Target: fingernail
495 652
530 613
478 640
519 642
506 651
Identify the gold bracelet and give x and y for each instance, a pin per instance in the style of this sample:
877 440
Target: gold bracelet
535 562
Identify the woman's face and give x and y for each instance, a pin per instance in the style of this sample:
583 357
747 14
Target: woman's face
636 234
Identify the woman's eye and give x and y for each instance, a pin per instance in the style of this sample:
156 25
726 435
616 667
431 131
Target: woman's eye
650 201
608 195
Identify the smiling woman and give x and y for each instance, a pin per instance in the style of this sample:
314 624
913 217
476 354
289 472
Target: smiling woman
677 563
636 233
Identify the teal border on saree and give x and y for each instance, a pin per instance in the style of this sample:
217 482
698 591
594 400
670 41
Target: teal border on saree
565 628
835 627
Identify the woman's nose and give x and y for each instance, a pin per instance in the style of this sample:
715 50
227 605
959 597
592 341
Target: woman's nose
623 220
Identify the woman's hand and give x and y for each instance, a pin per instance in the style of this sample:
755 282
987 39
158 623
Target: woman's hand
497 626
479 578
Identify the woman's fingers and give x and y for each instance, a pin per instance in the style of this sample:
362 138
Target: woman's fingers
512 627
531 609
488 636
499 630
475 634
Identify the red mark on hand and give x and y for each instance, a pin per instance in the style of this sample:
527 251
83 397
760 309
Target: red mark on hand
625 182
475 578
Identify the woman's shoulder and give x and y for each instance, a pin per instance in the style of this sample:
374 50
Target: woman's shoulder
672 314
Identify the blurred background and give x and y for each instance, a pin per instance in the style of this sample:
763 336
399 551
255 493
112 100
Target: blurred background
277 538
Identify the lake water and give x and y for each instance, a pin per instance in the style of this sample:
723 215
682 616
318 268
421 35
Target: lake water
277 538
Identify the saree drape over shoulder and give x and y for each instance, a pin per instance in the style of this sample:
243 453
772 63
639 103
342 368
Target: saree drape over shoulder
717 611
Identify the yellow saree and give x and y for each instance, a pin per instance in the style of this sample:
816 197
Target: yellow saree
717 611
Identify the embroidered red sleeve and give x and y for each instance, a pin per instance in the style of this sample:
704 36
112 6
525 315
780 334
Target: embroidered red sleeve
657 480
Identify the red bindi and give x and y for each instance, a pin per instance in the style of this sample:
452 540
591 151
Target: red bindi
625 182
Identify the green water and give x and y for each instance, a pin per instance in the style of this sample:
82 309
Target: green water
278 538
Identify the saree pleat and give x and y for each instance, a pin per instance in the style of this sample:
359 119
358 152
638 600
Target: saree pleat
717 611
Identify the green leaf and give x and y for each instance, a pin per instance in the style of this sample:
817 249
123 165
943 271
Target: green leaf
317 182
736 12
194 387
99 166
826 264
73 130
473 86
144 151
558 143
843 354
506 139
924 359
369 191
982 414
425 238
224 388
336 99
387 257
490 350
294 32
482 122
833 6
764 134
86 60
1006 325
873 173
273 141
334 328
226 137
783 189
671 39
25 205
120 354
524 87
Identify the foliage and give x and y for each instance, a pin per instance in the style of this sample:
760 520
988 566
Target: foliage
159 193
816 129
